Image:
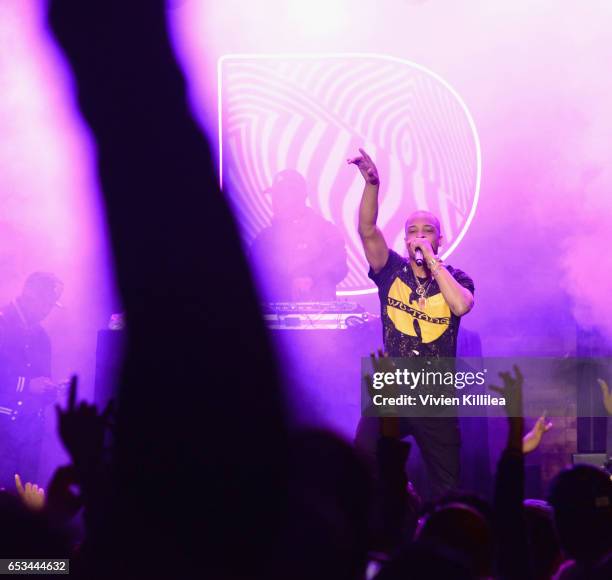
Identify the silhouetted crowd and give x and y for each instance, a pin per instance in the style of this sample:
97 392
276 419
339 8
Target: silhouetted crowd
338 518
196 472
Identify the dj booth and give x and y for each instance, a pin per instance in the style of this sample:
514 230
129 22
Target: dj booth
315 315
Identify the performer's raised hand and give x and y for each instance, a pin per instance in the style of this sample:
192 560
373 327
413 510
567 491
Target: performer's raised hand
366 166
374 245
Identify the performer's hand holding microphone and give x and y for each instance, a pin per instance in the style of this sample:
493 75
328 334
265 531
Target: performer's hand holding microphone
418 245
423 252
418 257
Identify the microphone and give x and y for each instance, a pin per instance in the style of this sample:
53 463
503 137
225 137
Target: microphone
418 258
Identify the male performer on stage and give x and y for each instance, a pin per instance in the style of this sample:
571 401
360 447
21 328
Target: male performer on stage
422 302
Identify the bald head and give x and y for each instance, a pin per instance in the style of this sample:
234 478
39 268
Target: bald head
422 224
422 217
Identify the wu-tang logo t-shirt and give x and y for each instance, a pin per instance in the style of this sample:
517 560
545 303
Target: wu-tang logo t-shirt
408 329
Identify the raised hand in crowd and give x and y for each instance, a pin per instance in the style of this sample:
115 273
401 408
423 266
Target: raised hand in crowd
59 501
389 426
395 502
606 393
32 496
82 429
512 391
532 440
513 560
62 503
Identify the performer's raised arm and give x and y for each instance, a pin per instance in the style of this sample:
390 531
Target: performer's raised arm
374 245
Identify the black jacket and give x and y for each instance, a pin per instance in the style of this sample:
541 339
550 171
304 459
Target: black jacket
25 353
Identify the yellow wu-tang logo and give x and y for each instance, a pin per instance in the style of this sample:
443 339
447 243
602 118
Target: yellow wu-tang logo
430 323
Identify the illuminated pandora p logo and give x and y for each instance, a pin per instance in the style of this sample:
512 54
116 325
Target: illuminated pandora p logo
312 112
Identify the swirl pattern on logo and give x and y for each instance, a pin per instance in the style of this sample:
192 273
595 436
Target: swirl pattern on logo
311 113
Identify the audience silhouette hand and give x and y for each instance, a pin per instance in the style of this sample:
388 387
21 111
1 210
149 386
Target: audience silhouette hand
532 440
607 395
82 429
32 495
512 391
62 502
389 425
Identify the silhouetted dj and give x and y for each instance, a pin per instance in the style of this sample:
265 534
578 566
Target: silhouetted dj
300 256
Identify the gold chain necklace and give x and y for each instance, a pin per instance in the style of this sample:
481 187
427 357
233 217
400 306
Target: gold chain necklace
422 292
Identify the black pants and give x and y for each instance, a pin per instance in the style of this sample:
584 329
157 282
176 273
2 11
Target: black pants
439 441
